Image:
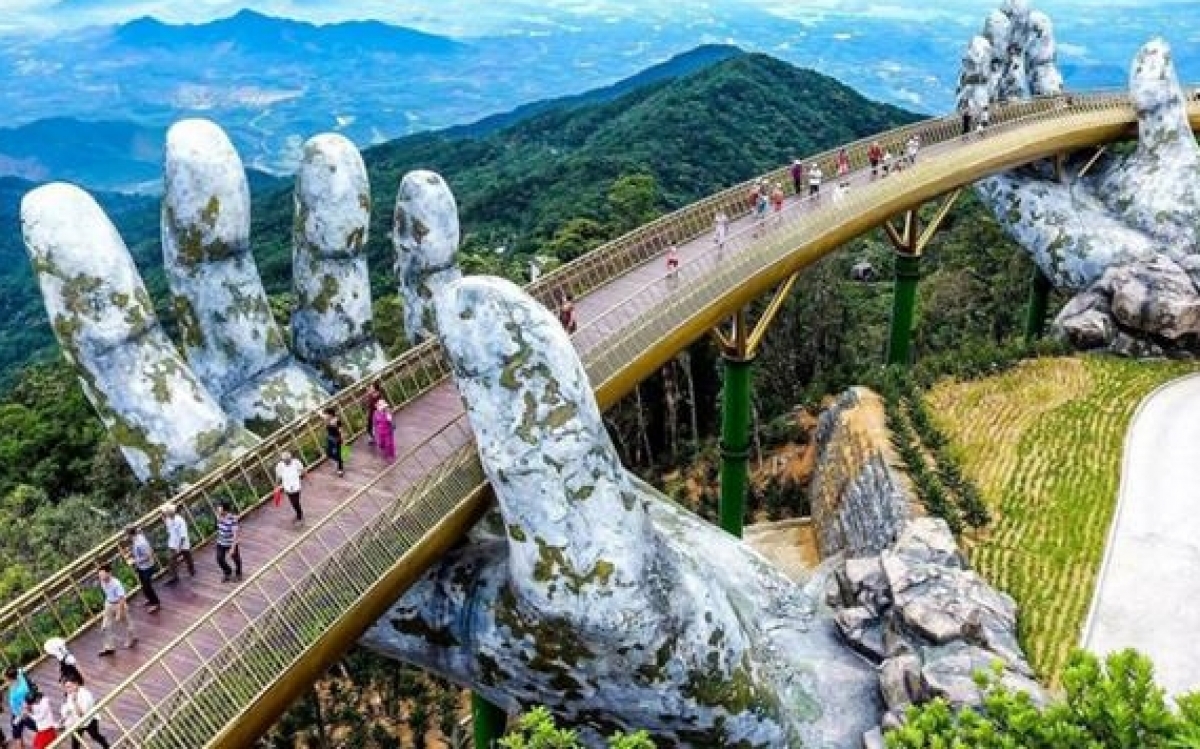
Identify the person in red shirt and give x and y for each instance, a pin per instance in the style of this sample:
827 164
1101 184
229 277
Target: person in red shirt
874 155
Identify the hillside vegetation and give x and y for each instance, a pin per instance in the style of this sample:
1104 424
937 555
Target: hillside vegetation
1043 441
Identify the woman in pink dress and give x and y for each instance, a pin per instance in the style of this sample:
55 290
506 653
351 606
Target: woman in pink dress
385 431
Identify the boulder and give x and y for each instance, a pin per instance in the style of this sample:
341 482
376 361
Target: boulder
1155 297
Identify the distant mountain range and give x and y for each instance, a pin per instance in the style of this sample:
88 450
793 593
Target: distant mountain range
273 82
253 33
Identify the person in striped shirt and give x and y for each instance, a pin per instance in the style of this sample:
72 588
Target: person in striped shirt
227 543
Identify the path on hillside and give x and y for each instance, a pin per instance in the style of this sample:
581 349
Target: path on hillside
1147 595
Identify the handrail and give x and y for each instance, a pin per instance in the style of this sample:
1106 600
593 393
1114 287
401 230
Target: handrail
677 301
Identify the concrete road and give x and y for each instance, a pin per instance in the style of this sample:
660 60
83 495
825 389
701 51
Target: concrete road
1148 593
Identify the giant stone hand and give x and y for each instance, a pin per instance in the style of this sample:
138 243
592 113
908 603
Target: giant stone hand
1129 208
177 416
590 591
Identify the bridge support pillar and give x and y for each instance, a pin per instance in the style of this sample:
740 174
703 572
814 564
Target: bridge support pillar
738 351
735 441
487 721
904 307
1039 302
910 241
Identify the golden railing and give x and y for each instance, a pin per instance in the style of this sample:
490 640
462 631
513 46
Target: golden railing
352 564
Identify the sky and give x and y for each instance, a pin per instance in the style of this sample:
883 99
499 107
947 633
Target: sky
479 17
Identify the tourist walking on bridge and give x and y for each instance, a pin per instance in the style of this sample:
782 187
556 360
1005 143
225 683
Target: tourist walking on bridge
228 536
385 430
843 168
116 611
911 148
566 314
179 543
672 261
720 229
333 440
68 664
875 156
40 712
815 175
77 703
797 177
289 471
18 690
370 398
142 560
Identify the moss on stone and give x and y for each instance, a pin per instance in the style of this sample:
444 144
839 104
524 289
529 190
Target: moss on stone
327 293
553 565
516 533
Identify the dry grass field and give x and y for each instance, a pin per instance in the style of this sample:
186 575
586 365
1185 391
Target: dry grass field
1043 442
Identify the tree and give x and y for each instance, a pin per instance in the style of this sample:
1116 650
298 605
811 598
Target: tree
1109 705
632 201
536 730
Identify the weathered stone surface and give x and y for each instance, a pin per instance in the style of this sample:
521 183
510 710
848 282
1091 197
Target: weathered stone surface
1126 210
331 326
165 420
229 337
604 600
1086 321
858 503
425 235
1155 297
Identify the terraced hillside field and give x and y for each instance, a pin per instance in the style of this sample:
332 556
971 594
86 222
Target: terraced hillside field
1044 441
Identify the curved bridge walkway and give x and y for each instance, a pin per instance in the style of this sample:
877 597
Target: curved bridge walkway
1147 589
217 650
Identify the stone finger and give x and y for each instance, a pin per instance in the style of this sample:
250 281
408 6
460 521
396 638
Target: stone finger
1156 189
1041 55
229 336
164 419
331 327
578 534
425 234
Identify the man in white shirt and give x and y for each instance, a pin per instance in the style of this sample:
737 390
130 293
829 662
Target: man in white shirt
116 611
179 543
289 471
77 701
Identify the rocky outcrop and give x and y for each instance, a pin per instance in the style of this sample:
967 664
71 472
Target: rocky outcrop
905 596
859 503
1137 213
928 621
1149 308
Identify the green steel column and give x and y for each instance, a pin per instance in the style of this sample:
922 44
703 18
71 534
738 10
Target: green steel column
904 306
735 441
1039 302
488 722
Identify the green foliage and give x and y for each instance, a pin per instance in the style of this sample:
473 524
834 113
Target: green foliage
536 730
1109 705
